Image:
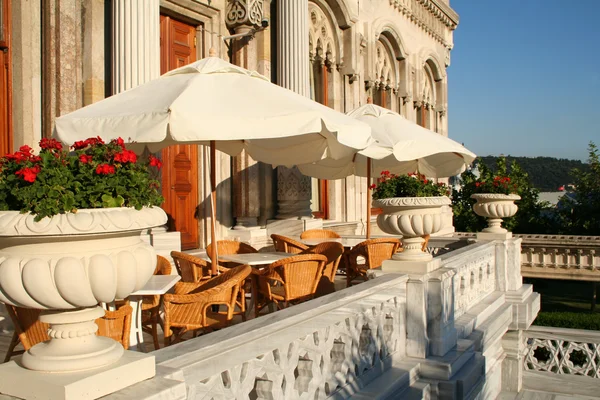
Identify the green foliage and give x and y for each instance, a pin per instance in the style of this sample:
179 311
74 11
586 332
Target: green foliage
571 320
546 173
529 219
411 185
581 215
94 175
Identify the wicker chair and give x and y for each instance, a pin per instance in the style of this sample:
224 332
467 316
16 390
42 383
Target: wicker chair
151 304
116 324
232 247
374 252
333 251
289 281
190 308
28 329
319 234
191 269
288 245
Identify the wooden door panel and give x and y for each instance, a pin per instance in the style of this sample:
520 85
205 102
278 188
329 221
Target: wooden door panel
180 171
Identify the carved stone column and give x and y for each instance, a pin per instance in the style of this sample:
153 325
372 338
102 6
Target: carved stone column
245 16
293 188
136 43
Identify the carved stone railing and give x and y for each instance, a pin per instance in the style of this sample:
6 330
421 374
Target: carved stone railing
336 343
558 256
563 351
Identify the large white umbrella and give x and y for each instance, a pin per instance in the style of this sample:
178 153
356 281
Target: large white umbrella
213 102
400 146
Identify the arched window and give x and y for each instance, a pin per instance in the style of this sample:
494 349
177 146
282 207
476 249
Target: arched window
385 73
427 104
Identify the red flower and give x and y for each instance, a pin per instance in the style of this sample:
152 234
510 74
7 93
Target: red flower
373 186
25 149
155 162
50 144
105 169
477 184
385 173
126 156
29 174
79 145
119 141
84 159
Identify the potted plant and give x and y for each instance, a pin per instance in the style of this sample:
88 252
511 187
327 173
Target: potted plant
412 207
70 224
495 196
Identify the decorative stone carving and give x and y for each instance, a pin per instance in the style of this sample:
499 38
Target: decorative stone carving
243 15
494 207
68 264
434 17
293 194
411 217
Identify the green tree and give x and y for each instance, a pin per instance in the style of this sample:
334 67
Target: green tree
531 217
581 214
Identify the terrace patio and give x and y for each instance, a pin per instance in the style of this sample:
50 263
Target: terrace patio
461 330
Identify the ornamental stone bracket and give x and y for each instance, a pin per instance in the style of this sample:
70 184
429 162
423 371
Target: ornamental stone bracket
244 15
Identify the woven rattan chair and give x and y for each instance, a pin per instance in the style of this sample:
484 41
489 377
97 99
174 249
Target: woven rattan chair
288 245
116 325
232 247
151 304
373 252
190 308
28 329
319 234
190 268
289 281
333 251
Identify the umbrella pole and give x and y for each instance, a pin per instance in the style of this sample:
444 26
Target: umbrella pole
368 198
213 208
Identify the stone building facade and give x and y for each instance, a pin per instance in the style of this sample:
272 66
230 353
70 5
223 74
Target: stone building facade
58 56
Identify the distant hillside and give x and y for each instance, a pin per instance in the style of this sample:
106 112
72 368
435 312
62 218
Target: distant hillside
546 173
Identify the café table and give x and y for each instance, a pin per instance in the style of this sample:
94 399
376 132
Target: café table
255 260
345 241
156 285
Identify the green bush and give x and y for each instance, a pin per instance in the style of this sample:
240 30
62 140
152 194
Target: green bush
588 321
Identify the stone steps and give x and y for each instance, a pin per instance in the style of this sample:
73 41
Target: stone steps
395 383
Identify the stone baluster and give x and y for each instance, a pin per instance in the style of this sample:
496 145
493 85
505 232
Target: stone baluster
136 43
293 188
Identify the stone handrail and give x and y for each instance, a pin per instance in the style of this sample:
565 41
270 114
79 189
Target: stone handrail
339 342
558 256
563 351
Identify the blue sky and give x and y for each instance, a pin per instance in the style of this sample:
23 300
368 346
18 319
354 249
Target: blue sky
524 78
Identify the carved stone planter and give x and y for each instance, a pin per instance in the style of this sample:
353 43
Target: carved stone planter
66 265
494 207
413 218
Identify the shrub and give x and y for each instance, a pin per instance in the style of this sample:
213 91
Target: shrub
411 185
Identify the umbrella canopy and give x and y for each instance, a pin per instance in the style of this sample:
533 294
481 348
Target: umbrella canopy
400 146
213 102
212 99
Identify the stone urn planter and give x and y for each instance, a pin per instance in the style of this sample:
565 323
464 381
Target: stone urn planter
494 207
413 218
66 265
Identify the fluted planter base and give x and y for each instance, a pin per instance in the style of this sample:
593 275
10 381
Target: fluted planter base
413 218
73 344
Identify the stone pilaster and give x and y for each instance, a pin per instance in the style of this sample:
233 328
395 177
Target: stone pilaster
293 188
245 16
514 345
136 43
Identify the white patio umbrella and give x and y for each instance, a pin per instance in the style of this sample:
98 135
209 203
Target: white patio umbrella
400 146
212 102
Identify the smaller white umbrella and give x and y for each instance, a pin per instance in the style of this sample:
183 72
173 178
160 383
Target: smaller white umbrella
400 146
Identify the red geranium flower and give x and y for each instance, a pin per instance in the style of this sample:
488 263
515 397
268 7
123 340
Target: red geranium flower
84 158
126 156
155 162
29 174
50 144
105 169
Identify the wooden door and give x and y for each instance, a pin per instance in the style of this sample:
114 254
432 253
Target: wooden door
5 87
180 170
